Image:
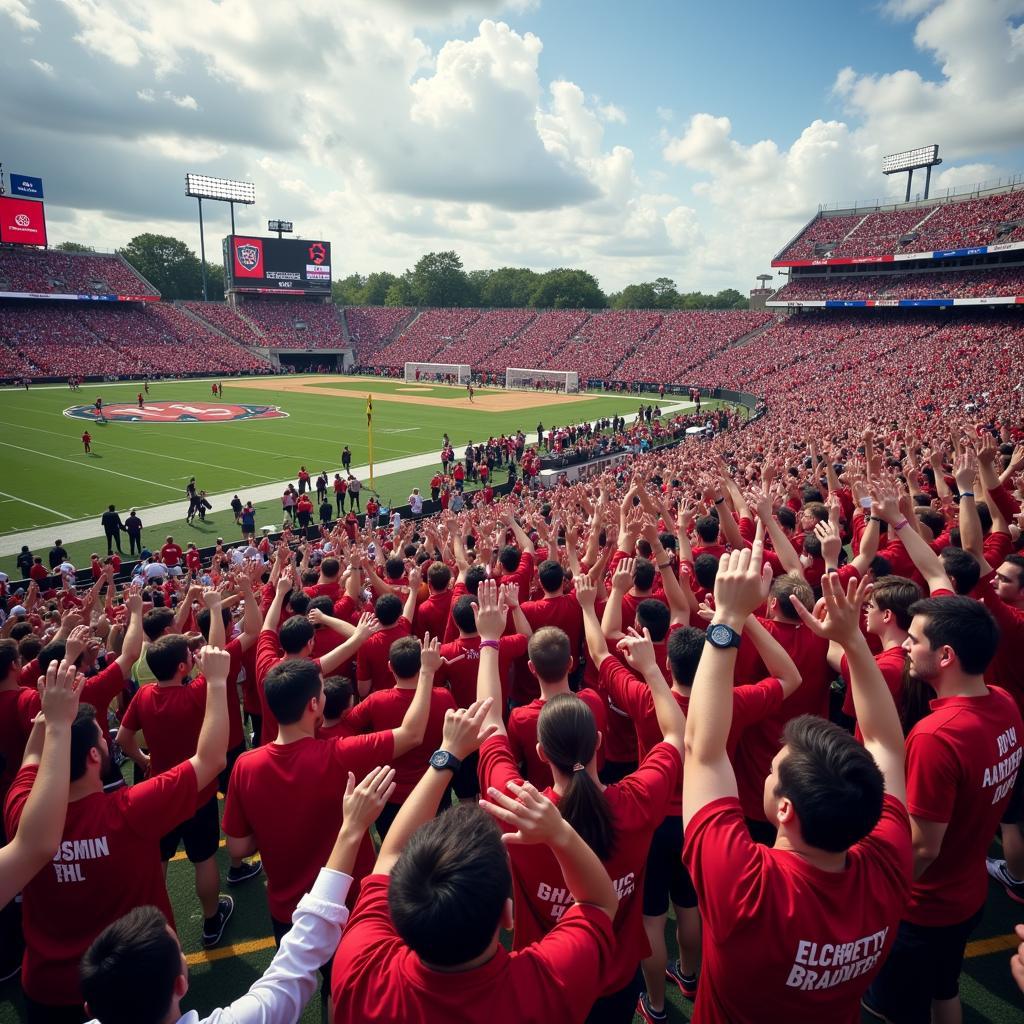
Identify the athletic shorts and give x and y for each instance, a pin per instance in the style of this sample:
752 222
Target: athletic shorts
924 964
1014 813
200 834
667 878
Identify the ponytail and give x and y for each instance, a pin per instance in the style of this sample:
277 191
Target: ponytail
568 734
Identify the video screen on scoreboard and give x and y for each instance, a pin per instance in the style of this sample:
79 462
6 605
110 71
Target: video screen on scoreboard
301 266
22 221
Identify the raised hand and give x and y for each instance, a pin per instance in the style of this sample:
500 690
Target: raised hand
465 728
535 818
59 691
831 542
366 627
363 803
430 654
622 578
841 621
491 611
214 664
76 643
639 651
743 581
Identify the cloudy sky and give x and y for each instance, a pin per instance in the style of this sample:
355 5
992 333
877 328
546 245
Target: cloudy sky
634 139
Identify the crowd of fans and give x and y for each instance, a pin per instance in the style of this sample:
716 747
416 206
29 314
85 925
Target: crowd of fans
561 661
551 330
295 324
68 273
228 320
955 284
371 328
950 224
425 336
495 328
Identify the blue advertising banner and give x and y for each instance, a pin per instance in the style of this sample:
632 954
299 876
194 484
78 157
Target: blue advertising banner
27 186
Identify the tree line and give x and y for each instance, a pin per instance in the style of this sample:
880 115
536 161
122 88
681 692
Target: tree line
437 279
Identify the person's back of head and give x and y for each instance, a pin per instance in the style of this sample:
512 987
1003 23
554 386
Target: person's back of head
464 614
791 585
438 577
685 646
28 648
404 657
338 693
387 608
832 781
475 575
509 557
549 654
707 528
157 621
653 615
9 656
289 687
203 621
786 517
130 973
567 734
551 576
85 736
322 604
449 888
20 630
962 568
643 574
330 568
296 634
53 651
896 594
705 569
298 602
166 655
957 624
394 569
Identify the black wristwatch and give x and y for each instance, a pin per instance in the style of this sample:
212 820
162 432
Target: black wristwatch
722 636
443 761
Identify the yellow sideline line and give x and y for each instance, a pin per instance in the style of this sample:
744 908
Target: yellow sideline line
238 949
982 947
181 855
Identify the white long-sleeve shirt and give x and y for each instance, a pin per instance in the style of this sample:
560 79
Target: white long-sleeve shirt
281 994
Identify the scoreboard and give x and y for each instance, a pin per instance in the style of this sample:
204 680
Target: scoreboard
277 265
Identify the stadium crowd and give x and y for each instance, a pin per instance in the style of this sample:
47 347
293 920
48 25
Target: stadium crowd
62 273
954 284
555 661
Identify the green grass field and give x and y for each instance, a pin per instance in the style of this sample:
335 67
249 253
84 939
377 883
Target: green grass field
50 482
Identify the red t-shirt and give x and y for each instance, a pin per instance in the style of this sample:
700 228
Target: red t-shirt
522 735
170 554
377 979
779 932
269 653
432 615
17 709
764 740
1007 667
962 762
108 863
564 612
890 664
287 796
385 709
637 806
372 659
462 662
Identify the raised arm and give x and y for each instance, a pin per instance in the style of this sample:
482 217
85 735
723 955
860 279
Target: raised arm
491 614
597 644
622 580
414 725
929 565
780 542
131 647
639 652
775 657
522 539
363 630
519 619
211 750
273 616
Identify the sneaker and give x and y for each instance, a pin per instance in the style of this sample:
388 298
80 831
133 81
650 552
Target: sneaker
213 927
687 982
245 871
997 869
652 1016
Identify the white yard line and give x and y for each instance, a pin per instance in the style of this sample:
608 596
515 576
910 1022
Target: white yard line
25 501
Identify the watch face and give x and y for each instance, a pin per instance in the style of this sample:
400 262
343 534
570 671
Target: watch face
439 759
721 636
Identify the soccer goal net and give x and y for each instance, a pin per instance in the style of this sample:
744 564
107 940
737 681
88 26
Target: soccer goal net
542 380
438 373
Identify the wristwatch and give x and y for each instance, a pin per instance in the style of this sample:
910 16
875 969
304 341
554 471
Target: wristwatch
443 761
722 636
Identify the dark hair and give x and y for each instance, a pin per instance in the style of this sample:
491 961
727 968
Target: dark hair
337 696
643 574
1014 560
165 654
786 517
685 646
448 888
896 594
568 733
548 651
655 616
290 685
84 737
394 568
387 608
475 575
404 657
551 575
330 567
464 614
298 602
812 546
295 634
509 557
962 568
322 604
705 568
20 630
53 651
157 620
129 971
203 620
438 576
963 624
880 566
832 781
707 528
29 648
788 585
8 655
935 521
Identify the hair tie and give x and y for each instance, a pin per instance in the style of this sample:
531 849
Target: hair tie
577 767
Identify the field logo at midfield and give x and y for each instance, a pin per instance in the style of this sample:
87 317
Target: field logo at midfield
176 412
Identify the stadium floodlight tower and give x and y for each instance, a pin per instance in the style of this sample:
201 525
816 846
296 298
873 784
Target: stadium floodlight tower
221 190
911 160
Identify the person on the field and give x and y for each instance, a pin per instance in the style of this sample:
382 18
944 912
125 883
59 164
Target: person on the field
87 442
112 529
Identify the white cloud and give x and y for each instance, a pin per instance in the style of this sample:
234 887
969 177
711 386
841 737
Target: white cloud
187 102
146 95
612 114
18 12
43 66
665 114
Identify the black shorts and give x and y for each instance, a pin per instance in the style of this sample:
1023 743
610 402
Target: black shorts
1014 813
667 877
200 834
924 964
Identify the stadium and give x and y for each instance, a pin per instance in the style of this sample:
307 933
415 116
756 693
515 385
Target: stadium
348 480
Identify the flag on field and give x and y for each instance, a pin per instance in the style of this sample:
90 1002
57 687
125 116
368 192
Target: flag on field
369 432
369 410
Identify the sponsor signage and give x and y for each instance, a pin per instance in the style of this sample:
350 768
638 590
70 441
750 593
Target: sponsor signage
935 254
175 412
285 265
22 221
26 186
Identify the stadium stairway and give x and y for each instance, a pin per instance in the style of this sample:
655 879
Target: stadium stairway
206 323
746 339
